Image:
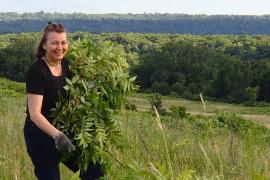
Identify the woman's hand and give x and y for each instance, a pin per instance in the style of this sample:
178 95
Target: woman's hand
63 143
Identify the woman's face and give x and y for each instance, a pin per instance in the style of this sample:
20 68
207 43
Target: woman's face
56 46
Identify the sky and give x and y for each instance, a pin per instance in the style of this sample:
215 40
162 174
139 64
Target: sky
208 7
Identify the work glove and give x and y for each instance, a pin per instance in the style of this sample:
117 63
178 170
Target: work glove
63 143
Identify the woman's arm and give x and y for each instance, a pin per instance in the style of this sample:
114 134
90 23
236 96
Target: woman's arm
34 108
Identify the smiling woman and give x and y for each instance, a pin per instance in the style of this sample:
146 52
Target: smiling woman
44 84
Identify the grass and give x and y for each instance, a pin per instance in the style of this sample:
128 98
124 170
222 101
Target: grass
14 163
11 88
256 114
141 101
210 154
196 147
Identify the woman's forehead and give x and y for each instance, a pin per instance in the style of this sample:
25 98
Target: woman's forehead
56 36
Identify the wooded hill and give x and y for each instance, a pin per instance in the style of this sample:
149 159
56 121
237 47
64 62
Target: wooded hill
232 68
140 23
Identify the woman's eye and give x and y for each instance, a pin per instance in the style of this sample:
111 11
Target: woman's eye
58 43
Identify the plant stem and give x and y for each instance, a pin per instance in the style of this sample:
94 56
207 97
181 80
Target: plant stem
165 142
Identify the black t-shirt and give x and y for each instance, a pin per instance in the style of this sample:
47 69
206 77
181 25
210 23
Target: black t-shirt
41 81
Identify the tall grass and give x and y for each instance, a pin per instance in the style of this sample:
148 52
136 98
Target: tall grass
14 163
198 147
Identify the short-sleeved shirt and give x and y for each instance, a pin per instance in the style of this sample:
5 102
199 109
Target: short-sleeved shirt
40 81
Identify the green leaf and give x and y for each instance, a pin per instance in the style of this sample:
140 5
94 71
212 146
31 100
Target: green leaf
66 87
82 99
76 176
68 81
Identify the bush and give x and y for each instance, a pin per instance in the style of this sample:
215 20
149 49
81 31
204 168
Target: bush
178 112
178 88
156 101
160 87
243 127
130 106
187 95
11 88
174 94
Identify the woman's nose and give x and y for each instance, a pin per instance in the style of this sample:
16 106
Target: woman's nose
59 47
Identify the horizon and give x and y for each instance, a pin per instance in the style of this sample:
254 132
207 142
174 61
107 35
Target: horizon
149 13
190 7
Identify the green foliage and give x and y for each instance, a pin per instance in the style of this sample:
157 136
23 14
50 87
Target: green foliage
222 67
242 127
178 88
144 23
211 126
18 56
155 100
155 171
227 85
200 147
161 88
252 94
178 112
130 106
10 88
96 93
211 152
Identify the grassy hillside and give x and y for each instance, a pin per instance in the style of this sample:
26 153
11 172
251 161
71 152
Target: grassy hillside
11 88
218 146
222 146
258 114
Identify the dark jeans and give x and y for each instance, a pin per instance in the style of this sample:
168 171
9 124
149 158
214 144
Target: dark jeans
45 157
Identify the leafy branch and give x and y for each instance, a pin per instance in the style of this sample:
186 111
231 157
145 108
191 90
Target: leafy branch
96 93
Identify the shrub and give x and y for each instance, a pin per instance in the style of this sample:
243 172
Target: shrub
243 127
11 88
179 88
156 101
174 94
160 87
130 106
178 112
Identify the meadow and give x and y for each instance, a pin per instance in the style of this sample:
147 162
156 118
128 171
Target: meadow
218 144
188 141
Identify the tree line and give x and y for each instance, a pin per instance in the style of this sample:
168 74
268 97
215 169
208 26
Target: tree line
140 23
231 68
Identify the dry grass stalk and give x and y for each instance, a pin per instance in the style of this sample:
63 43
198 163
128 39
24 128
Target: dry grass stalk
207 158
165 142
203 102
232 154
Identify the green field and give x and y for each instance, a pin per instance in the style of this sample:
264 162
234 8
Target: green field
195 147
256 114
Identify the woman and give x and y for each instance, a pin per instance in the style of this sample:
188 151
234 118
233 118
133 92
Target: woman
44 82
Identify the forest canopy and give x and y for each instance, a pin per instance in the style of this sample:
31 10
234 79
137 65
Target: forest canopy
232 68
140 23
